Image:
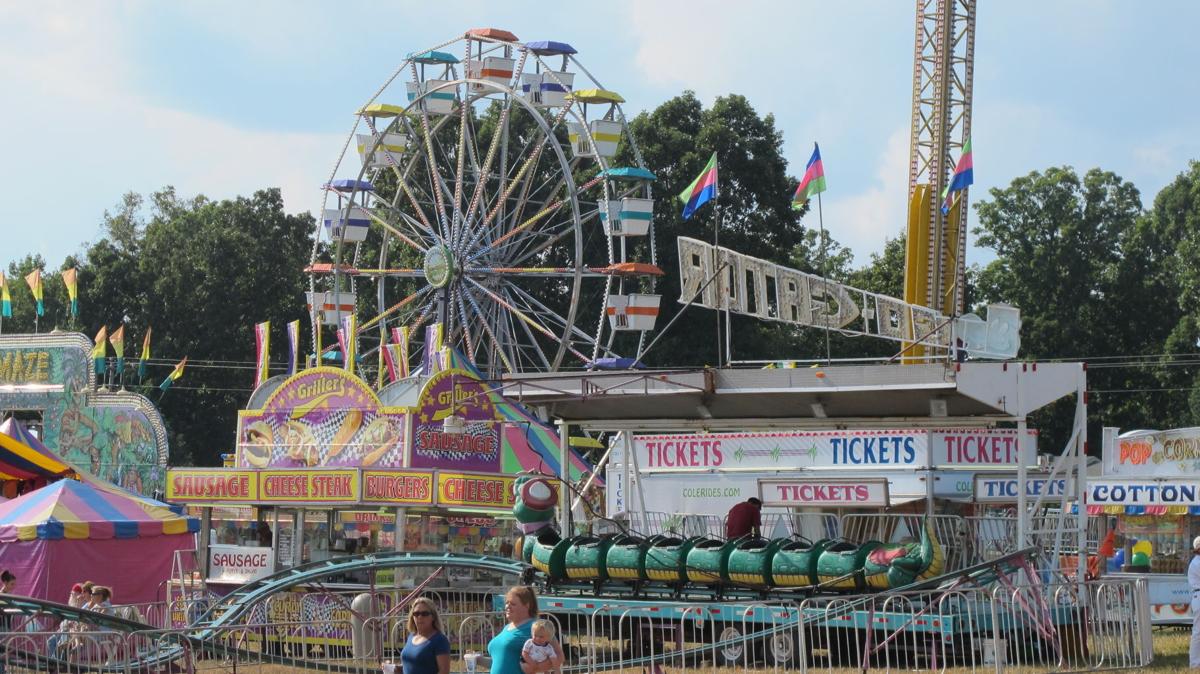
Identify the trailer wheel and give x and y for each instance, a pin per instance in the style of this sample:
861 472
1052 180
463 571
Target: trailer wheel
731 653
781 649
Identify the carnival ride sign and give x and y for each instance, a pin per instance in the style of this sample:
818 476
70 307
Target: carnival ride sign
490 491
321 417
189 485
24 366
982 448
456 393
778 451
397 487
1143 493
754 287
239 563
966 448
1004 488
791 493
1171 453
305 486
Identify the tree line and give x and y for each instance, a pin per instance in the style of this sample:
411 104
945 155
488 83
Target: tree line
1097 276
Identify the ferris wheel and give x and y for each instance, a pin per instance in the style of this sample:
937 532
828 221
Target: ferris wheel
485 195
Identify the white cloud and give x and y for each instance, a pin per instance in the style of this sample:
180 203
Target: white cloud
76 120
865 220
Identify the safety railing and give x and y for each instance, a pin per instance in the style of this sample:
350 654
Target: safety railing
1095 626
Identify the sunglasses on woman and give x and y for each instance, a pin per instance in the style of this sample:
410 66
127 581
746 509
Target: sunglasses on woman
422 614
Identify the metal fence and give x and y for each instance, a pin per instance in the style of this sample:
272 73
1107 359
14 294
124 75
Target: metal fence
1065 627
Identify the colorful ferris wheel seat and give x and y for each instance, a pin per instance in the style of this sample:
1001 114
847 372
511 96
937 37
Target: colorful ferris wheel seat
629 173
436 96
577 138
382 152
381 110
494 69
628 216
636 311
606 134
350 185
547 89
350 228
492 34
550 48
433 58
331 306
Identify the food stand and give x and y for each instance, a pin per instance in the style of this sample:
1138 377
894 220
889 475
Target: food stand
1150 494
328 469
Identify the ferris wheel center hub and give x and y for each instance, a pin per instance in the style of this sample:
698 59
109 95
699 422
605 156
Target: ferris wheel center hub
439 266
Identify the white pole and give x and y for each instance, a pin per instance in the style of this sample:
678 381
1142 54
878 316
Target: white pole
1022 476
564 476
1081 472
631 458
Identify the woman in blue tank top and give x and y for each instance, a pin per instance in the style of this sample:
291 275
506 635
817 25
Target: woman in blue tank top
504 650
427 650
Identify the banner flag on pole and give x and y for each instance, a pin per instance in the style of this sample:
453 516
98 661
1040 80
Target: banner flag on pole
34 279
702 190
70 279
262 354
400 336
5 297
293 330
117 339
348 340
388 354
175 375
143 362
964 175
100 350
433 347
813 182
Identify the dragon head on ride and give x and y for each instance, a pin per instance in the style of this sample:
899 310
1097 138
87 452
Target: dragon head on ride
536 497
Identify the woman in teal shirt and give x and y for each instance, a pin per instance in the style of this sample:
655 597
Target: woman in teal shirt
504 650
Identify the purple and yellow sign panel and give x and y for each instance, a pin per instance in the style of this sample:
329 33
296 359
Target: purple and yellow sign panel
477 448
321 417
467 490
308 486
212 485
397 487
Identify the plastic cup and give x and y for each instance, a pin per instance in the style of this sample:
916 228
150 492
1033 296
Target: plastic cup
470 660
389 668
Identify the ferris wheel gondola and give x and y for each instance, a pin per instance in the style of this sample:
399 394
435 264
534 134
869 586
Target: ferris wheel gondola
489 202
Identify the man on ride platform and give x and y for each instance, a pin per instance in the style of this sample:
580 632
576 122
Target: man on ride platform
1194 583
744 518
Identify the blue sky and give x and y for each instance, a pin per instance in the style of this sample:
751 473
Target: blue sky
223 98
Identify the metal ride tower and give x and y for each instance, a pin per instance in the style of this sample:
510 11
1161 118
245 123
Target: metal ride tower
943 69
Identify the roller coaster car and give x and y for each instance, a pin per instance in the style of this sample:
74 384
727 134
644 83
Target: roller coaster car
840 563
666 558
626 558
586 557
708 560
547 552
795 562
750 561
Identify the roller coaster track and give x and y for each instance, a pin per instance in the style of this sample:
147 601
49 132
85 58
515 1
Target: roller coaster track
204 635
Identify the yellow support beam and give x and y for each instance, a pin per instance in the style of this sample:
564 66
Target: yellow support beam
916 256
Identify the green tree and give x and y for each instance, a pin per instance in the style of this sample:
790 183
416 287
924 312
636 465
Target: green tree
1069 255
201 273
1171 298
676 140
